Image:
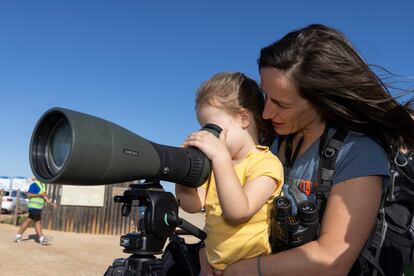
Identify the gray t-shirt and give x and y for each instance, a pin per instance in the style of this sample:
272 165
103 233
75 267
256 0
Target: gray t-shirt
358 156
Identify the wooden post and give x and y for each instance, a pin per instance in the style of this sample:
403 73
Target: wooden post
1 201
16 209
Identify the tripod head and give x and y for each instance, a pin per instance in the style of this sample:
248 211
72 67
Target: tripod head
157 224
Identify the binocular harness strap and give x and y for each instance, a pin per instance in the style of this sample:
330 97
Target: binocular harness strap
326 171
326 168
371 253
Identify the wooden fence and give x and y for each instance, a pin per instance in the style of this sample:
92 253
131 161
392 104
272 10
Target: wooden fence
84 219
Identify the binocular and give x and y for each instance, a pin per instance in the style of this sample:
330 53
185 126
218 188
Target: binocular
288 230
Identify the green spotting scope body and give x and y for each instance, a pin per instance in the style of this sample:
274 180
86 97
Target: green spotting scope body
70 147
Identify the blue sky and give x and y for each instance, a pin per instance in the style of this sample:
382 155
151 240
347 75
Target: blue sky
138 63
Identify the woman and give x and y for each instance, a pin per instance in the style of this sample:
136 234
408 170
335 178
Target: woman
315 82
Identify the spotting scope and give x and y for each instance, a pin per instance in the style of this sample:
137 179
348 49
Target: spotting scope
70 147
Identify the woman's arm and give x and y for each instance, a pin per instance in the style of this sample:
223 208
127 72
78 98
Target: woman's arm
191 199
347 222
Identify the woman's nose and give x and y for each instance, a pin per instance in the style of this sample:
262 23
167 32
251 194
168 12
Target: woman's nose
268 111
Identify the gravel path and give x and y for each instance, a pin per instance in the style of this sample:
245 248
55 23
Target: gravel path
68 254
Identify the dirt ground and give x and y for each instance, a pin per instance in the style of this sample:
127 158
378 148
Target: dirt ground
68 253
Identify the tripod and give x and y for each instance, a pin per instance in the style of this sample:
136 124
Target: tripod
157 224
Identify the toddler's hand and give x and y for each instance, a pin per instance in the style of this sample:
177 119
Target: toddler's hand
209 144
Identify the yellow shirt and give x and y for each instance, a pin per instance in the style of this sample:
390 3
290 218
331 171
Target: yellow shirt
227 243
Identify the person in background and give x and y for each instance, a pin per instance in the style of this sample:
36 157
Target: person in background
245 177
37 199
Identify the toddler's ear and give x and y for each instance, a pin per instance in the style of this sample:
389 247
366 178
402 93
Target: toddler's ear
245 118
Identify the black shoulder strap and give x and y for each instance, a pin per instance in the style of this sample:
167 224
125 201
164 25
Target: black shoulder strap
280 139
326 167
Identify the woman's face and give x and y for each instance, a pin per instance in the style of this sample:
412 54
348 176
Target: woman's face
288 111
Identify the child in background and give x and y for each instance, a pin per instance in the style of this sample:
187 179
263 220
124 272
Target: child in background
246 176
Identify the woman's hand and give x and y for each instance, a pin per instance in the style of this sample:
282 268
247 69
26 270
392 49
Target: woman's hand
209 144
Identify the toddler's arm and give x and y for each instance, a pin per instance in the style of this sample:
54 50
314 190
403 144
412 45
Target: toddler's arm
239 203
191 199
